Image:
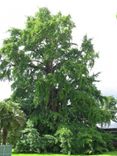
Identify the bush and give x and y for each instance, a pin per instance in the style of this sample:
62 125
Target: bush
67 139
29 140
64 135
49 144
83 140
92 141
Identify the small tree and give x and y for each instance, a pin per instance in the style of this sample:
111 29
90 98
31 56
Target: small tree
12 118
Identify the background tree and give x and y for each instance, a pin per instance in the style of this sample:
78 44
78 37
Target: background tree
51 75
110 104
12 119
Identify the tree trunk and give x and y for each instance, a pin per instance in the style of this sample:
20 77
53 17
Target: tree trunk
4 136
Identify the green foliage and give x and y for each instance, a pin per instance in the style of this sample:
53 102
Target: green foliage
12 120
49 144
65 135
29 140
110 104
91 141
51 79
84 140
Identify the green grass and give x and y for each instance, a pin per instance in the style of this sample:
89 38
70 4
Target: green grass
107 154
41 155
110 154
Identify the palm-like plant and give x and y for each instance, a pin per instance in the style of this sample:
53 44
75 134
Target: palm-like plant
11 118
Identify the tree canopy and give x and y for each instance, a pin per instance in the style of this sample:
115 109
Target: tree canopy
51 75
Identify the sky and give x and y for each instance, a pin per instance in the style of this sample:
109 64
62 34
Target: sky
96 18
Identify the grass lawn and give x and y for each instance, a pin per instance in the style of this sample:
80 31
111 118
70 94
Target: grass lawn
107 154
41 155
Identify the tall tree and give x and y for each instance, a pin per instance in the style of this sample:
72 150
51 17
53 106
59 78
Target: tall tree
51 75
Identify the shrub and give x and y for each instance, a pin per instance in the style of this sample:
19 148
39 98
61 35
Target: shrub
67 139
64 135
90 141
49 144
83 140
29 140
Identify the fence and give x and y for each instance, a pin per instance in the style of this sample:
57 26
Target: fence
5 150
